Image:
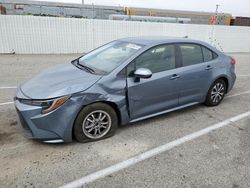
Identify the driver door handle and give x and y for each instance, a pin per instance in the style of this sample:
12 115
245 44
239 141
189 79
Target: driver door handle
174 77
209 67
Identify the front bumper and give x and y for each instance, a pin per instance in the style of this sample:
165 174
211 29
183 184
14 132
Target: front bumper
52 127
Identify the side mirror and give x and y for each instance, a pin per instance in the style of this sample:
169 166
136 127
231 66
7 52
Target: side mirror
142 73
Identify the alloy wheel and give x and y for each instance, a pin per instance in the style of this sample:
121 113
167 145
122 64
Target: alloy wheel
217 92
96 124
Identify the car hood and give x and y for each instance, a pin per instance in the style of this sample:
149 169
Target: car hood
58 81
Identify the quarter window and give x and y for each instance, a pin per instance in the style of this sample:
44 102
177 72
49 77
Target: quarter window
191 54
207 54
156 59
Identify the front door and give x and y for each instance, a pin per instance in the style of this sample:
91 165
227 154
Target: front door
158 93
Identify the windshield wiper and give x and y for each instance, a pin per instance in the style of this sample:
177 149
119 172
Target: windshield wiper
83 66
87 68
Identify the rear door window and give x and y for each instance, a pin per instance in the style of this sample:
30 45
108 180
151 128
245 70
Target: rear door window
191 54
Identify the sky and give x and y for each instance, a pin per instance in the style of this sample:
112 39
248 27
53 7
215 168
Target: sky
235 7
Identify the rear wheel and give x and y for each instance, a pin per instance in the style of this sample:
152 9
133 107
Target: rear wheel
216 93
95 122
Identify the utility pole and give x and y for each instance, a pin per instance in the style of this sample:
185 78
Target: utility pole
216 43
217 7
216 13
214 22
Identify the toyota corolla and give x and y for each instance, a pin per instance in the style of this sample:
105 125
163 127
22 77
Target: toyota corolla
124 81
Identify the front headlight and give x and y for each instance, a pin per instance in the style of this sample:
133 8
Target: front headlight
47 105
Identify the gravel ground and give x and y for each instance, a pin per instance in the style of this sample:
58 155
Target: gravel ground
218 159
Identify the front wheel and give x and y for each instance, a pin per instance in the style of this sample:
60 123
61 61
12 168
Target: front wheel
216 93
95 122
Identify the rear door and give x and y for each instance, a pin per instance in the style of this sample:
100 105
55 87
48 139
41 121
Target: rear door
196 72
158 93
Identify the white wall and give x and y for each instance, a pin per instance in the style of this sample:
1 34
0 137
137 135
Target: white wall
35 35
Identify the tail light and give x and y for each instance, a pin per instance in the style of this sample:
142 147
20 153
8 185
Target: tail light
233 62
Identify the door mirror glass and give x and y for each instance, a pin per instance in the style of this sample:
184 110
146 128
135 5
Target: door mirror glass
142 73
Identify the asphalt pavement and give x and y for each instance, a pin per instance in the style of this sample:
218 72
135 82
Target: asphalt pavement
220 158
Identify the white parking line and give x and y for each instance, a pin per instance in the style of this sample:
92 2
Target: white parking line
237 94
151 153
8 87
243 75
13 147
6 103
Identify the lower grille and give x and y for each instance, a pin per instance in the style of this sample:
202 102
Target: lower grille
23 122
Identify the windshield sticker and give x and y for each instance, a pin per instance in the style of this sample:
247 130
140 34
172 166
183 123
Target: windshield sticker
133 46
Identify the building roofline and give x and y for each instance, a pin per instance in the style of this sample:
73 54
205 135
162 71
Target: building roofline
59 4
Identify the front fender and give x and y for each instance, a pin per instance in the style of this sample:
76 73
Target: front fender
111 91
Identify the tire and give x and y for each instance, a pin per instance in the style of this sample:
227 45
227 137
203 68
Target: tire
216 93
89 122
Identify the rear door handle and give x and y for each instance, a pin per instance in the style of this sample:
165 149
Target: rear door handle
174 77
209 67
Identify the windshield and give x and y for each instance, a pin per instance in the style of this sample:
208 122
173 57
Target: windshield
109 56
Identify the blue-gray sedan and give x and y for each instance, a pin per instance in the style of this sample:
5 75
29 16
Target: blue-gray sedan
121 82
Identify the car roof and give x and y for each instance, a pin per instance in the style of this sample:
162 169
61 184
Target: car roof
148 41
